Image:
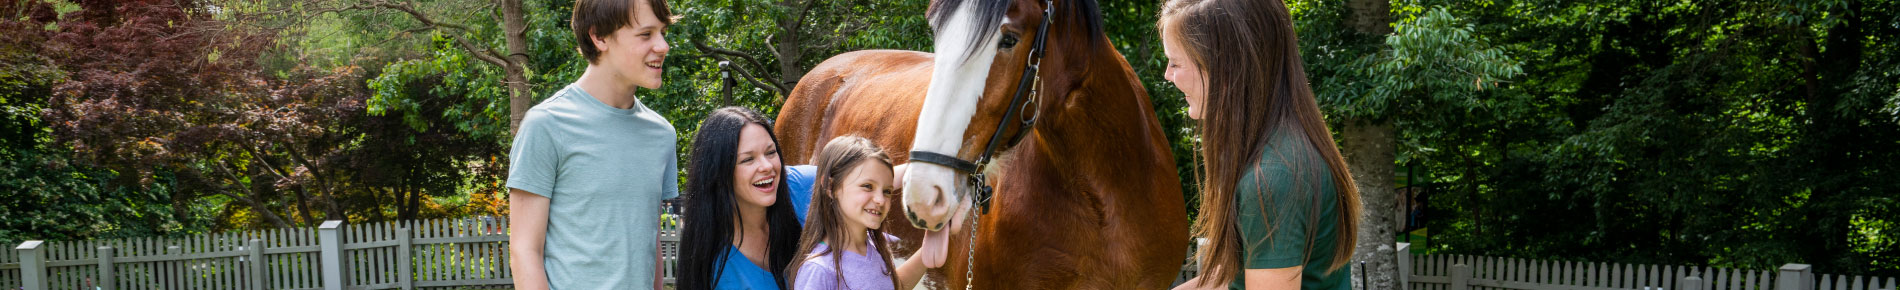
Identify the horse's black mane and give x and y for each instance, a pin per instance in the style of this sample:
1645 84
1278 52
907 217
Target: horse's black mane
990 14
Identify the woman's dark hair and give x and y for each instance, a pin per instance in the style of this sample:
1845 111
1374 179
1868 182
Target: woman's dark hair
825 217
1256 90
711 209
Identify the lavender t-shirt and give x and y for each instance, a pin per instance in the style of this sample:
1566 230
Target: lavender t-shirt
861 271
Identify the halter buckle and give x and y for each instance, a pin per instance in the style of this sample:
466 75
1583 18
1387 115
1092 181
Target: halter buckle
981 190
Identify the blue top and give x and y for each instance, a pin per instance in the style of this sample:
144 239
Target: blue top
798 178
739 273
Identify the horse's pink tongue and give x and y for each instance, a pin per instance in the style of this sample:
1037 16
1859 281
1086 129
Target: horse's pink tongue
936 248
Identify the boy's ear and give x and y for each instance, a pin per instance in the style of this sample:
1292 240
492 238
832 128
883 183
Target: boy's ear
600 41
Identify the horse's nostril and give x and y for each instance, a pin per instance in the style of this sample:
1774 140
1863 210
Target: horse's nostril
914 221
940 194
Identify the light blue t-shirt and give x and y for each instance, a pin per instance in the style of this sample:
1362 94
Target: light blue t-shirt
604 171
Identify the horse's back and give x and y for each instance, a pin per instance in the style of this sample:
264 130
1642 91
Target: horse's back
874 94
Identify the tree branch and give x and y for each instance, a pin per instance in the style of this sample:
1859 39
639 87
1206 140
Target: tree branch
417 15
261 158
259 206
743 74
483 53
722 54
755 80
754 61
332 210
803 13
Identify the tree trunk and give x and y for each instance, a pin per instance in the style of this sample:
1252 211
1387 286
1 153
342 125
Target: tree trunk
415 202
303 206
377 199
256 205
788 58
1371 17
789 49
262 210
406 200
1369 149
520 95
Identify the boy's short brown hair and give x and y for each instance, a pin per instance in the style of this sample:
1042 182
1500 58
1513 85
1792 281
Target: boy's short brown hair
603 17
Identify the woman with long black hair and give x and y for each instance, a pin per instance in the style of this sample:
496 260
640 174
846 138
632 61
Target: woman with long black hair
740 226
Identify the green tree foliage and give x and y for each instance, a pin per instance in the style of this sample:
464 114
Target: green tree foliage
154 92
438 118
1381 91
173 94
1745 134
1727 133
52 196
708 32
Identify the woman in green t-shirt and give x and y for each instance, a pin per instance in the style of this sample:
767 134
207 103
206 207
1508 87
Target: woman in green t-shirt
1278 206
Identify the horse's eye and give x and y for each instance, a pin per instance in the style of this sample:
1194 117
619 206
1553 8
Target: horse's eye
1009 41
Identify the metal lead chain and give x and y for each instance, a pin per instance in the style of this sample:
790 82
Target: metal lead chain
969 266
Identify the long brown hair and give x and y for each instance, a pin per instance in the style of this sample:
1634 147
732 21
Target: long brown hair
824 221
1256 90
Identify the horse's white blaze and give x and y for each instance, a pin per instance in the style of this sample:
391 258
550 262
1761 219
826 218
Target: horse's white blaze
955 87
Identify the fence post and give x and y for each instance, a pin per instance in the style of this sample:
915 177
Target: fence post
258 279
1405 265
404 274
176 267
33 264
1795 277
1460 277
1690 283
106 277
330 240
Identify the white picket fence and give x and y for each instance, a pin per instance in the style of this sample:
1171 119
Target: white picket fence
472 252
1461 272
1458 272
465 252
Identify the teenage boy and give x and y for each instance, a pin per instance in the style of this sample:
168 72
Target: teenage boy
590 164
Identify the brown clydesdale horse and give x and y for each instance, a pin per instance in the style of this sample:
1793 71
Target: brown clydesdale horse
1088 199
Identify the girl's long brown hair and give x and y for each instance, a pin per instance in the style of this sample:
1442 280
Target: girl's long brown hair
1256 90
824 220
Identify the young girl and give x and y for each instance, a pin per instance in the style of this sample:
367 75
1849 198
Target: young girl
843 246
1278 206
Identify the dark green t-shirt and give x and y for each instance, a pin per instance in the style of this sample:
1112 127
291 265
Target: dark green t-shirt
1289 186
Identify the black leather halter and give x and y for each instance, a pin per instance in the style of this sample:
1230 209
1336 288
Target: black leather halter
1028 85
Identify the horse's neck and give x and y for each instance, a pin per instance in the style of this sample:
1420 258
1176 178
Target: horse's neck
1105 115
